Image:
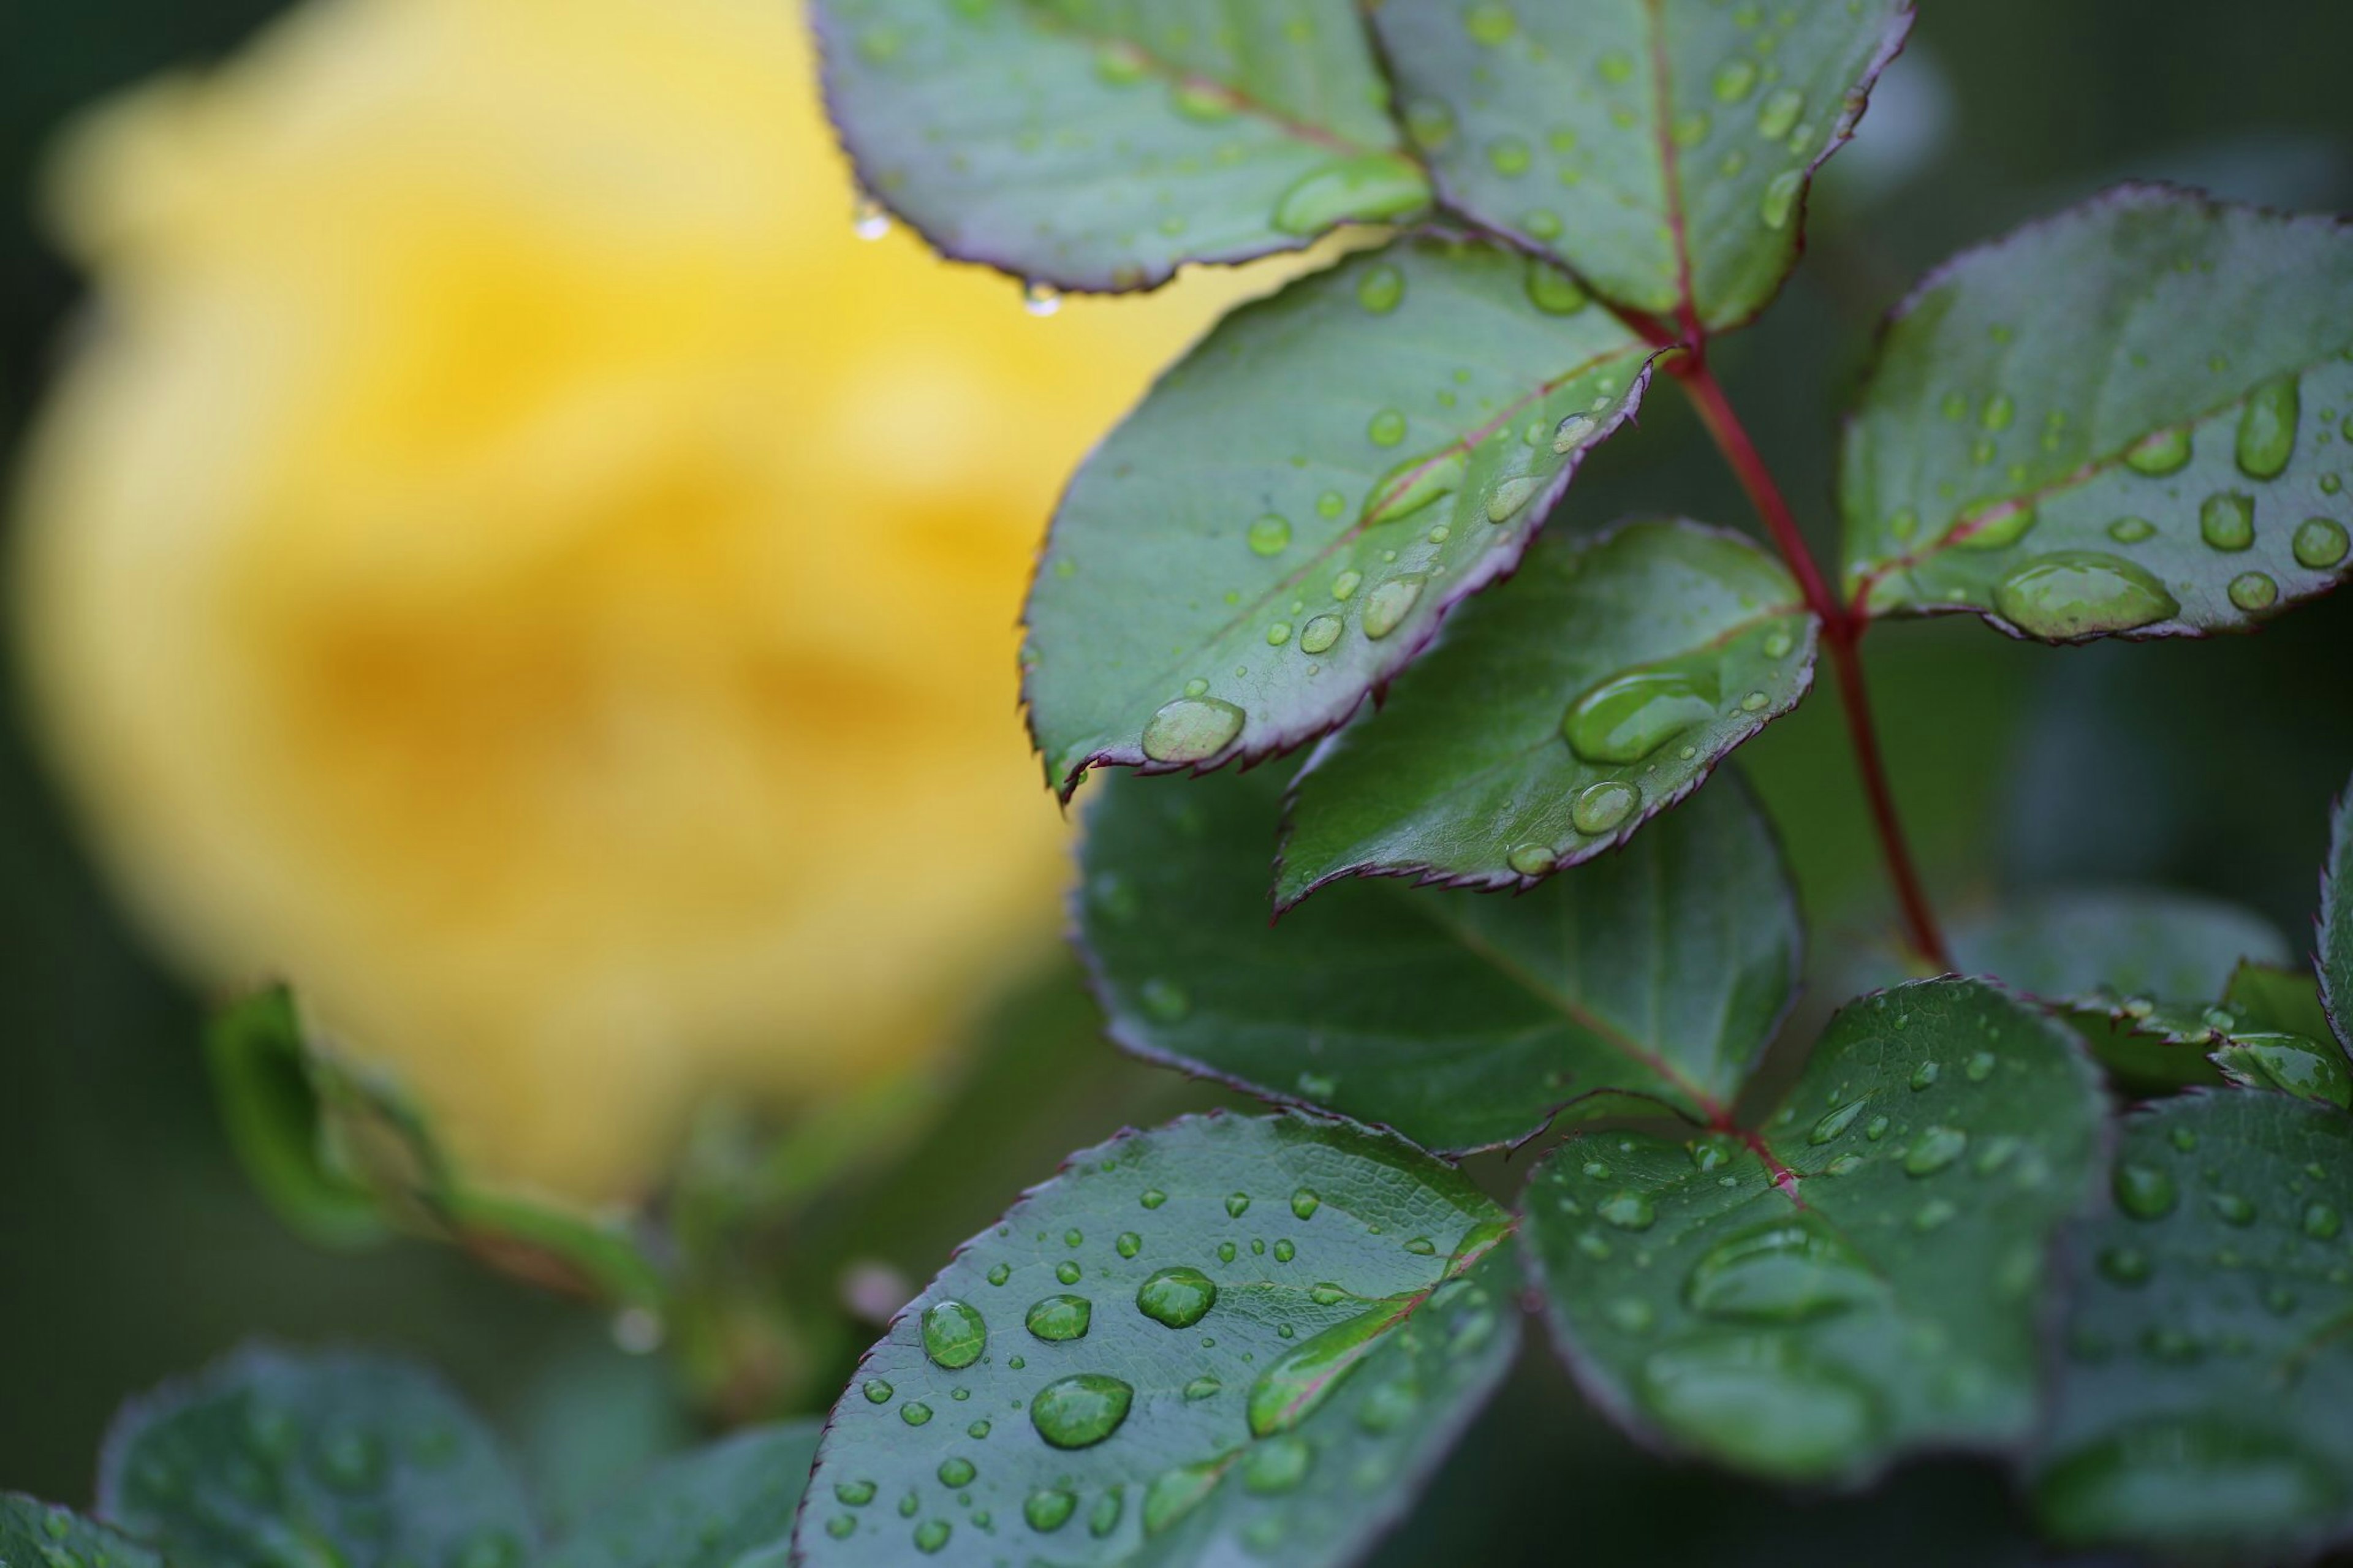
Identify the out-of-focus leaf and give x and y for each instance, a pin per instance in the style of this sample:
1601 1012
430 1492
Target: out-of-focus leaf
2126 419
261 1081
730 1505
1279 527
1099 143
40 1535
1225 1336
1859 1279
1661 147
273 1458
2201 1400
2268 996
1559 717
2098 947
2336 966
1463 1019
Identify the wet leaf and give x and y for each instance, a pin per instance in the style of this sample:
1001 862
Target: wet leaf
1660 147
40 1535
1282 524
270 1457
1862 1277
2124 420
2200 1399
729 1505
1223 1336
1559 717
1098 146
1463 1019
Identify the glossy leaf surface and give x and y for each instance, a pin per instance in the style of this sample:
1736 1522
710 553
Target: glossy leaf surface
1225 1336
1661 147
1558 717
2201 1398
2127 419
1282 524
40 1535
1863 1280
729 1505
1462 1019
268 1458
1099 143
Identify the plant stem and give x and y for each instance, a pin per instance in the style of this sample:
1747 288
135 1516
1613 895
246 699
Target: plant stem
1842 628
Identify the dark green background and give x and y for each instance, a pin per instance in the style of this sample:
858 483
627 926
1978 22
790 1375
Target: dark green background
131 1248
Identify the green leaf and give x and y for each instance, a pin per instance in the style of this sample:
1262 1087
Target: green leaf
729 1505
2201 1402
261 1080
2100 947
312 1460
1860 1280
2266 997
1661 147
39 1535
1282 524
1225 1335
1559 717
2121 420
1463 1020
2336 959
1100 144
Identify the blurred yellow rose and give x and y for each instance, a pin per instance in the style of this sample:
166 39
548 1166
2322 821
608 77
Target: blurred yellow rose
506 558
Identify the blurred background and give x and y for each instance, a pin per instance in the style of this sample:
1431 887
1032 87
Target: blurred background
489 543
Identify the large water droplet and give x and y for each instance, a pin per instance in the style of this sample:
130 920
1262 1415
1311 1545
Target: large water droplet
1788 1271
1049 1509
1367 188
1387 604
1081 1410
2253 591
953 1334
1756 1400
1627 717
932 1535
2320 542
1599 808
1319 634
2226 520
1553 292
1414 484
1270 535
2267 428
1178 1297
1292 1388
1058 1317
1177 1491
1933 1150
2080 593
1190 729
1277 1465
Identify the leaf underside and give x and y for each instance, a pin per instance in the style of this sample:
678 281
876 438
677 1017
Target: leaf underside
1464 1020
2201 1402
1660 147
266 1458
1871 1290
2127 419
1357 1312
1557 718
1280 526
1099 144
717 1507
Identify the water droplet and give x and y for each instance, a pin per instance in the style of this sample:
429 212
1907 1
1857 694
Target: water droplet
1127 1244
1509 155
1531 859
2320 542
1411 486
1319 634
2144 1192
1153 1197
1490 22
1627 717
1553 292
1277 1465
2077 592
2125 1266
1734 79
1081 1410
1345 583
2267 428
2233 1209
2131 529
1925 1076
1175 1492
956 1471
854 1494
1993 525
954 1333
352 1460
1387 604
1067 1271
2165 452
866 218
1103 1518
978 1429
932 1535
1777 115
1780 198
1933 1150
1366 188
1430 122
2321 1221
1934 1215
1779 644
1626 1211
1756 1400
2253 591
1040 299
1238 1204
914 1413
1835 1122
1165 1000
1049 1509
2226 520
1381 289
878 1391
2115 1486
2000 411
1598 807
1509 496
1192 729
1058 1317
1207 102
1177 1298
1754 702
1270 535
1788 1271
1574 431
1292 1388
1304 1203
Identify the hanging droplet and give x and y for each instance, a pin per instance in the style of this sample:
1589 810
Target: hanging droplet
1040 299
867 219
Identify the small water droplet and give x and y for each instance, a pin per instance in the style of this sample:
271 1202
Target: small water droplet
1056 1319
1993 525
866 218
1925 1076
1304 1203
914 1413
2253 591
2165 452
1381 289
954 1333
1040 299
932 1535
1388 603
2226 520
2320 542
1531 859
1777 115
1049 1509
1238 1204
2125 1266
1177 1297
854 1494
1277 1465
1626 1211
956 1471
1270 535
1068 1271
878 1391
1780 198
1490 22
1933 1150
1081 1410
2233 1209
2321 1221
1835 1122
1128 1244
2131 529
1553 292
1734 79
1504 501
1599 808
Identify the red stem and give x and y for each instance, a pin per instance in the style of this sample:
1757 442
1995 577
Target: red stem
1842 628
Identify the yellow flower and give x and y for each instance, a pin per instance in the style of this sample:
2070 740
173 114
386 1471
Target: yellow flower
507 559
